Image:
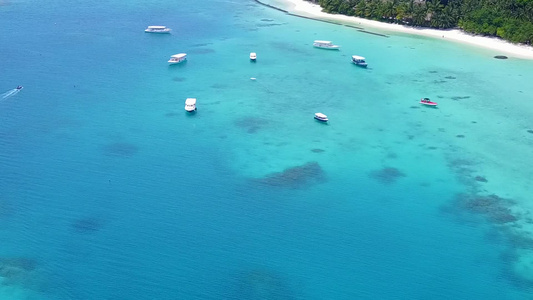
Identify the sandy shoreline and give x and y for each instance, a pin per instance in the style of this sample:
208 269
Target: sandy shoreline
501 47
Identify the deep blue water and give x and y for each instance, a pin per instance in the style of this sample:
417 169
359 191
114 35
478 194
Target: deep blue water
108 190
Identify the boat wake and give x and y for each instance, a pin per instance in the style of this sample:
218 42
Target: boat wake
9 94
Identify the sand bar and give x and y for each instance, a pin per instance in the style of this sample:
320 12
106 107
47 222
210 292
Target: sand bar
308 9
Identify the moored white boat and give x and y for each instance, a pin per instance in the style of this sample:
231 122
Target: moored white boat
321 117
190 104
359 60
157 29
325 45
253 56
177 58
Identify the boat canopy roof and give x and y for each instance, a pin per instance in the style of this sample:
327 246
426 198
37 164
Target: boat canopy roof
321 115
157 27
190 101
322 42
358 57
179 55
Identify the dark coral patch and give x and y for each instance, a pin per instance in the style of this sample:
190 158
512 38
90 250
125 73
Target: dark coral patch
460 136
219 86
456 98
86 225
481 179
295 177
179 79
493 207
387 175
22 263
262 285
530 131
201 51
269 25
460 163
16 270
500 57
120 149
317 150
251 124
201 45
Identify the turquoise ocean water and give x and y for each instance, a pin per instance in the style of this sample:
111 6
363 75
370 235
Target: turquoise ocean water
109 190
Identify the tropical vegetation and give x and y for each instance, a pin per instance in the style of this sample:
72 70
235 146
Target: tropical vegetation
511 20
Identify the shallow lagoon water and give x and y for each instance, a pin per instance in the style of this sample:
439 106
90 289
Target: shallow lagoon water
109 190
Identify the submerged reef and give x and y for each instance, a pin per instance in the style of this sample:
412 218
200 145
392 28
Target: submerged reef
387 175
86 225
508 222
295 177
523 265
263 285
480 179
120 149
201 51
19 271
464 171
494 208
460 97
5 209
251 124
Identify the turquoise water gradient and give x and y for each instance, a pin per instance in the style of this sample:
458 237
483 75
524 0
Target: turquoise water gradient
109 190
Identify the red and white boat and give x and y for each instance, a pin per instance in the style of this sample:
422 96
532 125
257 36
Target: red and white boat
427 102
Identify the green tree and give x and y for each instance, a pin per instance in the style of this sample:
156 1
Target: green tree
360 9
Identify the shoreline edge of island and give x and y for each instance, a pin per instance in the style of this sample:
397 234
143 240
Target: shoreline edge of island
308 10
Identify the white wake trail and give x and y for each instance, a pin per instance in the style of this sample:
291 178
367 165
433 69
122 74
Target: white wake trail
9 94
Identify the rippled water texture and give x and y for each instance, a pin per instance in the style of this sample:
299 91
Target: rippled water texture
110 190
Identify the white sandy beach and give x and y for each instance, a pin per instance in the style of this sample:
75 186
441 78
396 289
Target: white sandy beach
304 8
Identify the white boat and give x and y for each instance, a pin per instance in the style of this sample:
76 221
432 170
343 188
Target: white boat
253 56
177 58
326 45
190 104
359 60
321 117
157 29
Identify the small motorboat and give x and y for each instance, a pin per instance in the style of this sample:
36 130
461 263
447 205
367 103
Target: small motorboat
427 102
359 60
190 104
321 117
325 45
177 58
20 87
253 56
157 29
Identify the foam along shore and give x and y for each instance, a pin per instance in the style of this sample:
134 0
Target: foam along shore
308 9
